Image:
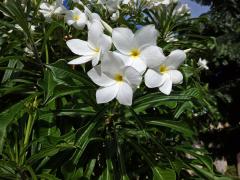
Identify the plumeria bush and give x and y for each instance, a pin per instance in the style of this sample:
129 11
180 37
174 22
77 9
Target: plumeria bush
106 89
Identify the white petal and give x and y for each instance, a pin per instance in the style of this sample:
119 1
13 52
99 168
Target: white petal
60 10
95 24
96 58
106 94
127 61
132 76
125 94
105 42
83 19
125 1
79 25
79 47
45 6
99 78
176 76
152 56
76 10
153 79
68 19
175 59
146 36
81 60
166 87
139 65
112 64
96 16
123 39
94 36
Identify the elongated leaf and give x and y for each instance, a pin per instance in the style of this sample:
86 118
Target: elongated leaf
108 171
206 160
13 113
9 72
156 99
163 174
179 126
66 90
63 71
53 26
182 108
48 84
49 151
158 172
47 176
90 167
85 137
32 173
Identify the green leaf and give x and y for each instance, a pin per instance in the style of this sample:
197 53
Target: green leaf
85 137
89 169
49 151
32 173
63 72
11 114
206 174
8 72
179 126
54 25
14 9
206 160
62 90
163 174
156 99
108 171
46 176
182 108
48 84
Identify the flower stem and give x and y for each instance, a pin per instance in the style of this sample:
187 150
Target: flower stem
28 130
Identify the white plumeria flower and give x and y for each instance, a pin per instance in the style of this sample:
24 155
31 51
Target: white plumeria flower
125 1
115 16
116 80
202 63
157 3
110 5
90 50
78 1
183 9
162 73
48 10
76 18
93 19
137 48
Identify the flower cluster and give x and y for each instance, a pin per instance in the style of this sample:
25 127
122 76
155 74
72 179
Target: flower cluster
120 61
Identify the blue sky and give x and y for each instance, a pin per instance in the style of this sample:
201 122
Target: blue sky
196 9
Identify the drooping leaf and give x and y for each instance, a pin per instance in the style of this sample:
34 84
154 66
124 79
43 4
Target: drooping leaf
179 126
63 71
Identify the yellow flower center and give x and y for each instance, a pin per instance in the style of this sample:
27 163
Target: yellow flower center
135 53
76 17
97 49
118 77
163 69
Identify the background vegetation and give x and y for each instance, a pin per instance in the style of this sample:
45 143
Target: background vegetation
52 128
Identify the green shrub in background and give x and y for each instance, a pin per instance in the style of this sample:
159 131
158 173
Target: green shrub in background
51 126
